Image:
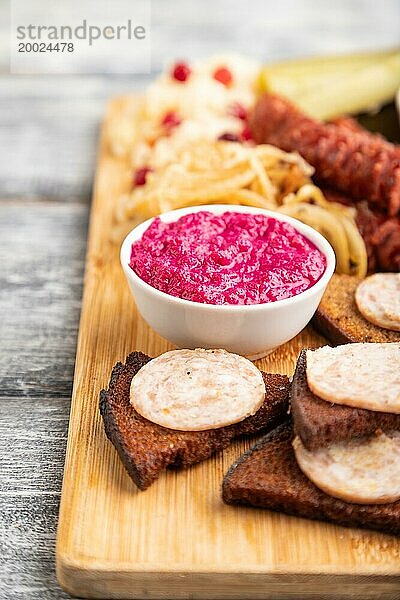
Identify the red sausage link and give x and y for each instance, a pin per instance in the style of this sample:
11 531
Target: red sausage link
344 156
380 233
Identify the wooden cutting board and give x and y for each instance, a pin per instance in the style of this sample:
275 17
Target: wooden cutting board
177 539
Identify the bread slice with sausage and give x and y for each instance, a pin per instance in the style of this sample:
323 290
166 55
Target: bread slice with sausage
339 320
146 449
319 423
268 476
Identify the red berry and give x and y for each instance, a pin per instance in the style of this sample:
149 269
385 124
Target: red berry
223 75
238 110
246 135
229 137
181 72
140 176
170 120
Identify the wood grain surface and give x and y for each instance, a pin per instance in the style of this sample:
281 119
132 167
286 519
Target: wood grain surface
42 244
178 538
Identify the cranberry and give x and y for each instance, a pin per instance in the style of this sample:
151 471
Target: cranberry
246 135
170 120
140 175
223 75
229 137
238 110
181 72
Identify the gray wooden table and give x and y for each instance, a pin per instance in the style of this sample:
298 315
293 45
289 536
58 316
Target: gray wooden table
48 134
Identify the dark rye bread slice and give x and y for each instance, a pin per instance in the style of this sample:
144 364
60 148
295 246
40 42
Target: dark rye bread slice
267 476
340 321
319 423
146 449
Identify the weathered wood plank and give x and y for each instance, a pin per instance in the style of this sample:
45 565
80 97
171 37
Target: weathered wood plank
42 247
48 132
27 525
32 446
33 435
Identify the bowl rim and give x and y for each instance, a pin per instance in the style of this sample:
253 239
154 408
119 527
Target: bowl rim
173 215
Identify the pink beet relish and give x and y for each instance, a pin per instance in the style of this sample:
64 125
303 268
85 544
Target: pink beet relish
231 258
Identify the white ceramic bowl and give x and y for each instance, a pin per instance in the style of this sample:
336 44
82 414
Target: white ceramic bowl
251 330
